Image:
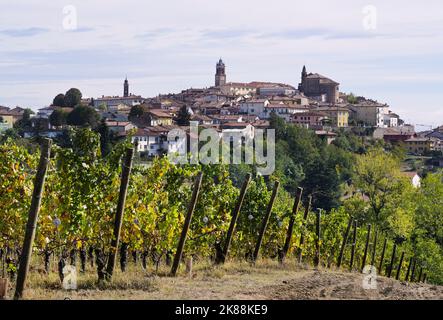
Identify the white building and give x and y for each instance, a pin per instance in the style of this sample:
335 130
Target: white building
253 107
370 114
114 102
282 110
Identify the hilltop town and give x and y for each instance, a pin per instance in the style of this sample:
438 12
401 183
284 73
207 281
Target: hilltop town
316 104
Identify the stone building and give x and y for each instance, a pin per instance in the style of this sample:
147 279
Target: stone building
318 87
220 74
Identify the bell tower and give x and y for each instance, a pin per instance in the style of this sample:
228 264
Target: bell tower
220 75
302 85
126 88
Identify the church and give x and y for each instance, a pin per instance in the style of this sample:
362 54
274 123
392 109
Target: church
319 87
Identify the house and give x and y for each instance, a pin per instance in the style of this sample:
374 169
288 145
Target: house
119 127
421 146
220 119
232 129
6 119
282 110
11 115
414 178
253 107
309 119
328 136
373 114
391 120
202 119
153 141
269 91
119 108
298 99
339 116
115 101
159 117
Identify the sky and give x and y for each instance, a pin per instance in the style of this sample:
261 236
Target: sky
390 51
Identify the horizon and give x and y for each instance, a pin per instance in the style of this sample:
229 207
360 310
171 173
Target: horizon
398 62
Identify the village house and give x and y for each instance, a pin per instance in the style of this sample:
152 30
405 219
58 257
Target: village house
120 127
310 119
153 141
282 110
414 178
159 117
339 116
254 107
202 119
421 146
221 119
373 115
328 136
11 116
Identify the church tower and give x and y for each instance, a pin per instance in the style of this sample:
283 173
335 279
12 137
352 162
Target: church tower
126 88
304 74
220 75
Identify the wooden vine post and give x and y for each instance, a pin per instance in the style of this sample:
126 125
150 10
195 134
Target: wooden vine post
191 208
354 243
126 173
265 221
391 265
400 264
235 217
302 236
344 243
31 224
318 240
374 248
368 238
382 258
413 271
291 224
409 269
420 274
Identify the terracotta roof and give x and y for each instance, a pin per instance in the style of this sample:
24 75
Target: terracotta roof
117 123
410 174
235 125
160 113
321 78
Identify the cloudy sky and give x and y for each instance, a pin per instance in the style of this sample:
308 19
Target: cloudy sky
166 46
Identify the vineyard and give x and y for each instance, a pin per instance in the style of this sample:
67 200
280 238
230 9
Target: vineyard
96 210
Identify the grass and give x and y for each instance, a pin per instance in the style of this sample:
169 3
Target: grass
207 281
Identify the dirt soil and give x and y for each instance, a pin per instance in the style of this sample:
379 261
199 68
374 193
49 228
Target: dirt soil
268 282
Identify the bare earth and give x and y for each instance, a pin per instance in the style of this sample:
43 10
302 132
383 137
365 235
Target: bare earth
269 281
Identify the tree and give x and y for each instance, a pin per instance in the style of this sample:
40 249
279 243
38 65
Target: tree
377 176
83 116
136 112
429 216
72 98
183 116
105 138
58 118
351 98
59 100
25 121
